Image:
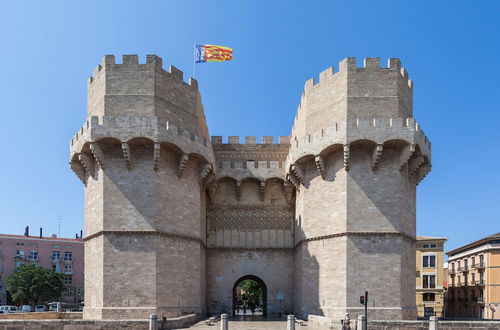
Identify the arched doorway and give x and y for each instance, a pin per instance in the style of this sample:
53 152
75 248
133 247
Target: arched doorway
250 296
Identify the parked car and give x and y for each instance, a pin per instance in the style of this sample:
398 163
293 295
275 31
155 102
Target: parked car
41 308
9 309
26 308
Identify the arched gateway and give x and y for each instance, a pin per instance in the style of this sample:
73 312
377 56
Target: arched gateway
249 296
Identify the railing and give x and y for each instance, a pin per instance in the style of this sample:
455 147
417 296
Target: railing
465 268
452 271
68 271
480 265
479 282
32 258
55 259
68 259
19 257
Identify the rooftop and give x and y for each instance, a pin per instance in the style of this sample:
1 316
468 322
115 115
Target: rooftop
475 243
431 238
59 239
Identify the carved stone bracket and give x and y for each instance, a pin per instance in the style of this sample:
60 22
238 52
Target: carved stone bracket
377 154
293 180
127 155
204 173
320 166
78 169
422 172
405 156
87 162
347 157
98 154
156 156
182 164
297 172
414 163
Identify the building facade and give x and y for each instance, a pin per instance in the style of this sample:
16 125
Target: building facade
430 276
175 219
62 255
474 280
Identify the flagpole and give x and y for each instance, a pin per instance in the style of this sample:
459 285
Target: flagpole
194 61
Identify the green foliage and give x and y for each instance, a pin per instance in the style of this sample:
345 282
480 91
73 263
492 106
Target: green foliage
252 291
31 284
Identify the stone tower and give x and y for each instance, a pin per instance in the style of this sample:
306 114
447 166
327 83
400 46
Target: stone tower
173 222
144 158
355 158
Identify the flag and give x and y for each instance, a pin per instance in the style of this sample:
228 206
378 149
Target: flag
212 53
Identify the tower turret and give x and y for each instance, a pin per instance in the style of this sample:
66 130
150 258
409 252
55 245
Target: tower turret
145 159
356 156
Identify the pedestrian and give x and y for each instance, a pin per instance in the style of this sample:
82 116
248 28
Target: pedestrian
346 322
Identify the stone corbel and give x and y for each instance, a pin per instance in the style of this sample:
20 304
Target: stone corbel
156 156
422 172
293 180
204 173
405 156
347 157
415 163
127 155
297 172
87 162
262 191
182 164
98 154
78 169
377 155
320 166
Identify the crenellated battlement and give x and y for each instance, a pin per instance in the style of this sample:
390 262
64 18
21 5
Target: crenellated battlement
349 65
250 140
152 61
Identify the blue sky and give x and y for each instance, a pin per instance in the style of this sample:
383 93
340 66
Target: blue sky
450 49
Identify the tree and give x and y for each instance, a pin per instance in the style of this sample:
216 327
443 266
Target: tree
252 291
32 284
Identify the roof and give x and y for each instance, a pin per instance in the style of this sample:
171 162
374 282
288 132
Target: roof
74 240
431 238
475 243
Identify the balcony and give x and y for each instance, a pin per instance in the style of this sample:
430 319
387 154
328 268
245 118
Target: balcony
68 271
479 282
480 265
19 257
464 269
33 258
68 259
55 259
452 271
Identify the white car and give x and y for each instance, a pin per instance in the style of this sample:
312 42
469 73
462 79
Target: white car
8 309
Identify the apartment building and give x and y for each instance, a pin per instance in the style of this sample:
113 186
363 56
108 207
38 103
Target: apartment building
64 255
474 280
430 276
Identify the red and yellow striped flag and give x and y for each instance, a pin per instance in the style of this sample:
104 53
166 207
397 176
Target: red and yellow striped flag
213 53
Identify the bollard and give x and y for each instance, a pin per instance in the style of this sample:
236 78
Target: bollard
153 322
361 323
433 323
290 322
223 322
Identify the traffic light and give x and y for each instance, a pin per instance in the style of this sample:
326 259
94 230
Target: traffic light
362 300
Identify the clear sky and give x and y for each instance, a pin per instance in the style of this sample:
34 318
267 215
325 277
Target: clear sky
450 49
